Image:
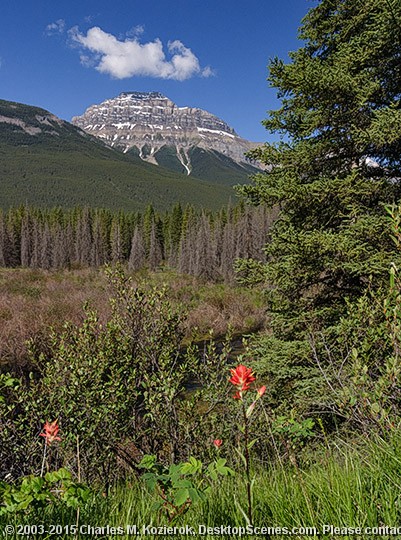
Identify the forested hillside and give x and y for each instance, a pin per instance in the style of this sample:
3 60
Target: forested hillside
47 162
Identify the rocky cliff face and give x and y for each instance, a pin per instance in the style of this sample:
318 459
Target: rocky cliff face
147 122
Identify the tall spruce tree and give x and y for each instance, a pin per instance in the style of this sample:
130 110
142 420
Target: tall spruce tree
2 240
26 240
137 255
337 165
339 159
155 255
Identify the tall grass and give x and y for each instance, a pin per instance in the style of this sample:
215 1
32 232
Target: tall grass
356 484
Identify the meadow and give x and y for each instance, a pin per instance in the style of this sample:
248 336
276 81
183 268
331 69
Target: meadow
303 478
33 300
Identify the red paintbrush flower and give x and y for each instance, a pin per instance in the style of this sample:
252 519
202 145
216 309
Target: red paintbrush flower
259 394
50 432
217 443
242 377
261 391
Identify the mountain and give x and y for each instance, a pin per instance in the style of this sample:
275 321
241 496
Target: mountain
45 161
183 139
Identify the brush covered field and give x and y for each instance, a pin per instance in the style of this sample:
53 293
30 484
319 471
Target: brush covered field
67 352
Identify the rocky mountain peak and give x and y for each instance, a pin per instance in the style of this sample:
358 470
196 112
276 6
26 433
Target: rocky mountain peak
142 95
146 122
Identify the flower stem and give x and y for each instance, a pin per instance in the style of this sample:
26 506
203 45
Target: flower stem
44 459
247 464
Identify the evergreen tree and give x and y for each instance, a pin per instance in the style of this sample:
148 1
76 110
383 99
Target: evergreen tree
12 239
2 240
155 249
205 259
148 220
227 253
247 236
116 241
336 167
100 244
137 256
83 238
69 243
46 248
59 252
26 241
36 244
126 234
341 160
175 225
188 246
173 234
200 244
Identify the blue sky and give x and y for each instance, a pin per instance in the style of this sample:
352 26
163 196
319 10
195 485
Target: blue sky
213 54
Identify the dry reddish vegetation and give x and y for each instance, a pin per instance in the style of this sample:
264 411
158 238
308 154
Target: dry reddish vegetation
31 301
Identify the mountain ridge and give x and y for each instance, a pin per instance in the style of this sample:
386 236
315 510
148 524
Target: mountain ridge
46 161
146 123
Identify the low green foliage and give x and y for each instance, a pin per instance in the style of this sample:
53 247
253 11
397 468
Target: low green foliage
180 485
34 493
119 390
294 433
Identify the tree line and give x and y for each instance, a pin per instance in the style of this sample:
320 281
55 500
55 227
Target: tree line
199 243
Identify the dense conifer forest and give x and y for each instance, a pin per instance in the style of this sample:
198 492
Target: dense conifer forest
200 243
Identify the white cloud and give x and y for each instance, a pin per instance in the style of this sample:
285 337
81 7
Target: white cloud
135 31
129 58
87 61
208 72
57 27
